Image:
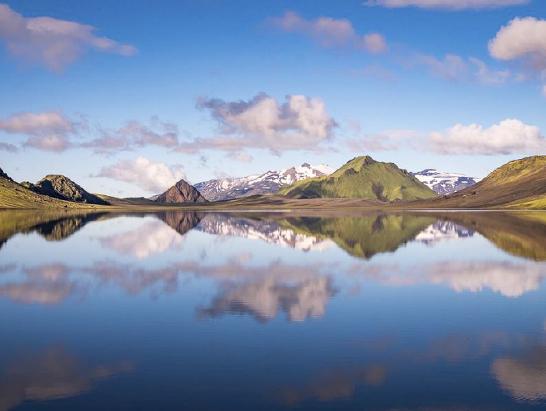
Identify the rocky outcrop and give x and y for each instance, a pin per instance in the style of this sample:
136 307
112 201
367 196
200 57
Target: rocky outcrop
4 175
181 192
63 188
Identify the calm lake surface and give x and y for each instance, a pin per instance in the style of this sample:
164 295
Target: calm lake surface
194 311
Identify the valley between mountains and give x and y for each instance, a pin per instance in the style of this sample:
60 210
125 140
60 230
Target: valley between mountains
362 182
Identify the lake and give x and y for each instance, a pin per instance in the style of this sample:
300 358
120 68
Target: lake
253 311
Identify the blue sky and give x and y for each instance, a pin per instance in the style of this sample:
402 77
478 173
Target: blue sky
320 82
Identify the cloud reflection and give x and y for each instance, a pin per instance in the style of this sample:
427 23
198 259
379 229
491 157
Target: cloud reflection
151 238
51 374
524 378
335 385
301 298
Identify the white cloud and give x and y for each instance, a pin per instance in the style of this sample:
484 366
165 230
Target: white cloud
151 176
10 148
52 42
49 142
330 32
447 4
240 156
456 68
486 75
508 136
299 122
36 124
135 134
523 38
46 131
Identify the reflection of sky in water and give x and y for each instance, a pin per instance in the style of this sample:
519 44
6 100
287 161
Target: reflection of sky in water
215 319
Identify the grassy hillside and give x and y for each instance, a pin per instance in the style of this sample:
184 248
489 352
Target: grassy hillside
13 195
362 177
517 184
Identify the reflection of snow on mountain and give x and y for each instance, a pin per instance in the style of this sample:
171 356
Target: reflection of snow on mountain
267 231
443 230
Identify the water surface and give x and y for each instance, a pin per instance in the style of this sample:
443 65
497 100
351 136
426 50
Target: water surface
194 311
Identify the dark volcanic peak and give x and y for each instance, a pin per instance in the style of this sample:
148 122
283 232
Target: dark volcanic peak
63 188
181 192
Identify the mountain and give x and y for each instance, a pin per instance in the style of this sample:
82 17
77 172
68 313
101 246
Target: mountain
519 183
266 183
63 188
362 177
444 183
4 175
181 192
267 230
14 195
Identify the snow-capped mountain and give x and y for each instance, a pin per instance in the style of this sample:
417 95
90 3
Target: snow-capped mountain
264 230
266 183
444 183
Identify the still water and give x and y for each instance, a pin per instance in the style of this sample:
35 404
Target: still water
190 311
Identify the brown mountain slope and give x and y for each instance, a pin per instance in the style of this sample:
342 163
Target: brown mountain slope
181 192
517 183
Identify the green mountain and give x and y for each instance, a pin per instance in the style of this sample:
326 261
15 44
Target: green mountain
362 177
519 183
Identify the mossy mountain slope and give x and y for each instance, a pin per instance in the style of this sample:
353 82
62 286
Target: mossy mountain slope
362 177
519 183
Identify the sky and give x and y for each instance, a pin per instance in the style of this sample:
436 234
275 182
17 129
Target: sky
127 97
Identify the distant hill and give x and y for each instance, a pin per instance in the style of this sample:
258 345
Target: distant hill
63 188
362 177
519 183
181 192
269 182
444 183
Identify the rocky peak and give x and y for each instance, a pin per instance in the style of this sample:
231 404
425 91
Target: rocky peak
4 175
63 188
181 192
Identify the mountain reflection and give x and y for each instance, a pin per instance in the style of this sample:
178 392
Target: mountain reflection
267 230
362 236
51 374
